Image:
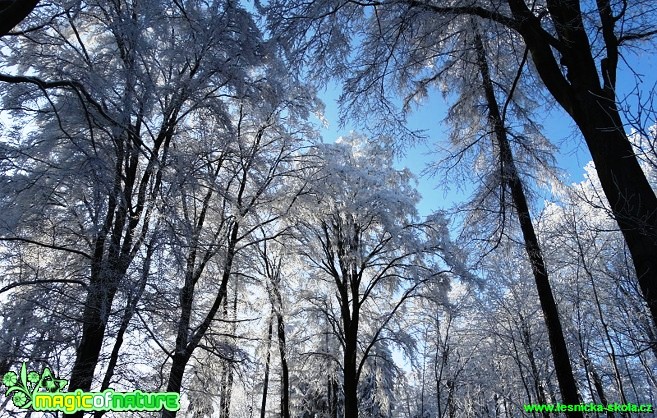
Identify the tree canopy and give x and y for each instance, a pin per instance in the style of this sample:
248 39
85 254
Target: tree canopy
171 219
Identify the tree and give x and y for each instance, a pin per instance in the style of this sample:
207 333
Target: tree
510 178
149 71
358 235
399 40
610 322
237 193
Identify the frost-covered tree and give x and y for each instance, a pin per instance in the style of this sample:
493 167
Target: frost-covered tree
102 97
609 320
575 46
237 187
367 254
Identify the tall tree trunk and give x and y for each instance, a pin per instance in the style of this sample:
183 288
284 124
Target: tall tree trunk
116 245
185 343
227 386
129 312
592 105
226 390
597 382
561 359
93 331
285 373
521 371
350 375
265 383
350 312
527 345
277 305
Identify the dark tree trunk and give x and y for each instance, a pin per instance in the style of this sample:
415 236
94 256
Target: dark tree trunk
186 343
14 12
277 304
273 272
597 382
129 312
227 384
350 357
350 377
116 245
265 384
592 105
93 330
510 176
285 373
131 307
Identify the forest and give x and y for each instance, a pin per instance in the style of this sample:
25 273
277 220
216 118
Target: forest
173 220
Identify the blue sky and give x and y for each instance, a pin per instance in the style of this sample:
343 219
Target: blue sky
558 127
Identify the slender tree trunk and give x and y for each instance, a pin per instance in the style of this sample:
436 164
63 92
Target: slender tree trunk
227 387
186 344
226 390
597 382
274 275
451 407
129 312
521 371
265 384
125 322
332 389
567 384
538 387
612 351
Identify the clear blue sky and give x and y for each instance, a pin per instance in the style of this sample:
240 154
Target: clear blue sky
558 127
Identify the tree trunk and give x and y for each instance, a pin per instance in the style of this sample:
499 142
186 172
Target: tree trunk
93 331
350 376
285 373
592 105
567 384
265 384
349 295
131 307
277 305
14 13
597 382
227 385
129 312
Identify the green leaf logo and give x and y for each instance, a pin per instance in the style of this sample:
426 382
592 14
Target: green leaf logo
23 386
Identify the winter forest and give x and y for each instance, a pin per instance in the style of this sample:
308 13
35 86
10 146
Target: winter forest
173 220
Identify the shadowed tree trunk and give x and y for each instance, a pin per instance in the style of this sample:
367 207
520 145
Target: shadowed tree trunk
265 384
592 105
510 177
272 265
285 373
14 12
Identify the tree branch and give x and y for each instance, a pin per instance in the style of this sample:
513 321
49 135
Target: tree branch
52 246
25 283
